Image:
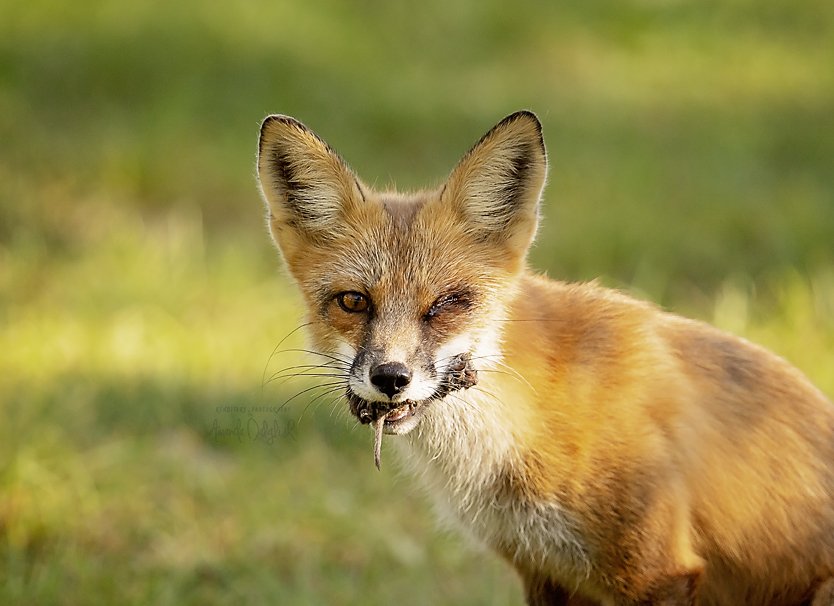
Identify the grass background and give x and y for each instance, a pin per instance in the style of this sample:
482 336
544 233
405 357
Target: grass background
692 162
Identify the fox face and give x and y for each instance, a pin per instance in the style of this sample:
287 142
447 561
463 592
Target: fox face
406 292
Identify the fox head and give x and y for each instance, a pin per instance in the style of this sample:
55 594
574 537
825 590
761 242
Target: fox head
402 289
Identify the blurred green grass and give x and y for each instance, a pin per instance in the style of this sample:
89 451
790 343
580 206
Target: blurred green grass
692 152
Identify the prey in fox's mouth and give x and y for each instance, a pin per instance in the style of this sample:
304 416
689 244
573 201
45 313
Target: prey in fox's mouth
401 417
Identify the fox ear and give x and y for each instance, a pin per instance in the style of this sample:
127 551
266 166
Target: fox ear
495 188
306 185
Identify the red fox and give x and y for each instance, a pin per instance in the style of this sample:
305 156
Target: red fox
611 452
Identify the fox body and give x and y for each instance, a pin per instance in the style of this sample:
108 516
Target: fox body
611 452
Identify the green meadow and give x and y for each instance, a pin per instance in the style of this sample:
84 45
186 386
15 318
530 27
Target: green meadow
152 449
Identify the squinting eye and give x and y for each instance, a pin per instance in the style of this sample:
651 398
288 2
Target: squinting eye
439 304
352 301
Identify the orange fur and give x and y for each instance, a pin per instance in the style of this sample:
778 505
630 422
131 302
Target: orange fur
611 452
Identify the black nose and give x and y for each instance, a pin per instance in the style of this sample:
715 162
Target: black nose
391 378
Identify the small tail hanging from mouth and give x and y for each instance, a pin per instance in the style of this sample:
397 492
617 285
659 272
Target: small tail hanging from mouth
460 374
378 441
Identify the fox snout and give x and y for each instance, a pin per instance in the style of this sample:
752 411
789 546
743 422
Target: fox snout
390 378
377 388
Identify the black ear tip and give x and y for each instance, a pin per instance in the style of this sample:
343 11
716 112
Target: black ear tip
526 115
273 120
271 125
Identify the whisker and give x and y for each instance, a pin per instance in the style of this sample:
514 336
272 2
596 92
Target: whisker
309 389
335 356
333 408
284 380
510 373
509 369
445 358
542 319
460 399
310 373
321 395
300 369
325 366
281 342
486 392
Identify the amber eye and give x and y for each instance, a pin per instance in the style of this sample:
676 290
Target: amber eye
352 301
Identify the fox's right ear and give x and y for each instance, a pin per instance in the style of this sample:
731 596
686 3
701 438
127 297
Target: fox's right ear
306 185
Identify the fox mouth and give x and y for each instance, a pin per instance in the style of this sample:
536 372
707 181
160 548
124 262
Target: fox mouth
396 417
402 417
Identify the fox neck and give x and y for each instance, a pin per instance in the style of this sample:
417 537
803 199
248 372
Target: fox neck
461 450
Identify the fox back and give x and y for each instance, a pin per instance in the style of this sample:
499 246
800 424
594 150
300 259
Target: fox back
611 452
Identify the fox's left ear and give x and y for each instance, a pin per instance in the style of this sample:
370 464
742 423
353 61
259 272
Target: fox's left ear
495 189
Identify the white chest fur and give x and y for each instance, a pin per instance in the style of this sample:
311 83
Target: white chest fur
464 451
